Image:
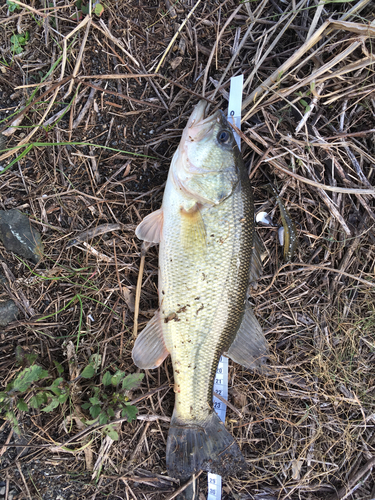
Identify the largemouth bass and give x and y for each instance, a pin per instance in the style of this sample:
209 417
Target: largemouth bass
205 229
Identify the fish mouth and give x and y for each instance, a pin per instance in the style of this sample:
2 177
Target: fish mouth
200 129
199 126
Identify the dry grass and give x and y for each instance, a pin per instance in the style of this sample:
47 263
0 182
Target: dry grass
309 108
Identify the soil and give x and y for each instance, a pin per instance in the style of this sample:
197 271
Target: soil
308 431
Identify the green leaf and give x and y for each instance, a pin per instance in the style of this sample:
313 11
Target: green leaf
55 390
12 6
117 377
107 378
54 387
109 430
99 9
88 372
37 400
86 406
14 40
79 4
22 406
303 102
95 411
132 381
59 368
103 418
96 361
29 375
57 382
85 9
90 422
94 401
110 412
13 421
129 412
53 404
96 391
31 358
3 396
62 399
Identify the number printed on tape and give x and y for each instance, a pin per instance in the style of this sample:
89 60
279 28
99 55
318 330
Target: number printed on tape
214 487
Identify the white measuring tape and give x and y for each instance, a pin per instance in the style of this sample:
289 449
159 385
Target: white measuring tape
221 388
221 378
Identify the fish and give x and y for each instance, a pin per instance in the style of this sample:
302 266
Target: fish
208 254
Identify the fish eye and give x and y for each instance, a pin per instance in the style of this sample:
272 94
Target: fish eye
224 136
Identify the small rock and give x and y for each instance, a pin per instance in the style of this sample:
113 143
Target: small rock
176 62
3 142
12 494
18 236
182 46
8 312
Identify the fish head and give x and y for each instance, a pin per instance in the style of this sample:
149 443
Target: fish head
207 143
207 159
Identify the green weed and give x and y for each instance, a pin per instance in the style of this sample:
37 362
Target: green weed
12 6
304 103
34 387
18 42
110 397
84 10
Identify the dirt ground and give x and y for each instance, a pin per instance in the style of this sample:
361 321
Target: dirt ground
91 145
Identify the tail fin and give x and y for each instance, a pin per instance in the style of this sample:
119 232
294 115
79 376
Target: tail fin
208 447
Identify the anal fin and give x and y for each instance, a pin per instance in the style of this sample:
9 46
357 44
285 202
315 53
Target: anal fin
250 347
149 349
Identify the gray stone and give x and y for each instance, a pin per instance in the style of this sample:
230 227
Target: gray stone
8 312
19 237
3 142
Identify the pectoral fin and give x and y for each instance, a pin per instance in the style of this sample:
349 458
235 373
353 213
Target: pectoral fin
149 349
193 231
151 227
249 347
